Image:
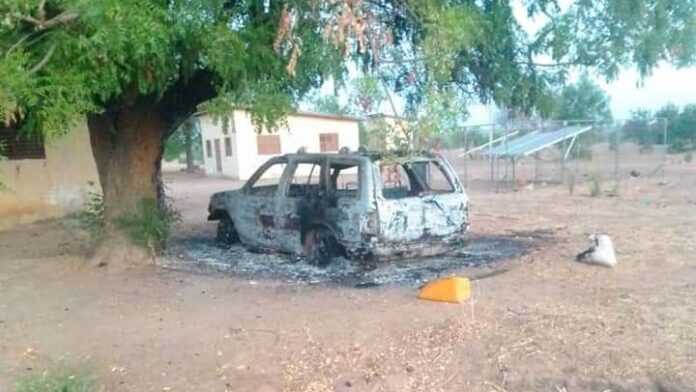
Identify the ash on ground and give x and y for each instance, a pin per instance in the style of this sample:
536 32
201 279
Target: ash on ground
203 254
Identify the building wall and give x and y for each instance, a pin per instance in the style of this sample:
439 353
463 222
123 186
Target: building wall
212 130
52 187
302 130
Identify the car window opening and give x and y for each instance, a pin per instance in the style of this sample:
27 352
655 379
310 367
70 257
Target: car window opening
414 179
267 182
344 180
305 180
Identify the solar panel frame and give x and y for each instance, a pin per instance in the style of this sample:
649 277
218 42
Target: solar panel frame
532 142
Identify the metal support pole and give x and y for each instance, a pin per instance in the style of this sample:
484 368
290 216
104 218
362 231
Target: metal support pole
570 147
562 174
617 141
466 164
490 152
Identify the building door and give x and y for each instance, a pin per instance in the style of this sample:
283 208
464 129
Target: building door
218 156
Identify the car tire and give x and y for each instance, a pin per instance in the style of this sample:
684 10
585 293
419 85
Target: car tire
226 232
320 247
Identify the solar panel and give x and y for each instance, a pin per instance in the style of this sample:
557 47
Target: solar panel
535 141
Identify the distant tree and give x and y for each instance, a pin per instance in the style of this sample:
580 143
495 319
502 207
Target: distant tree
185 140
641 129
682 135
668 113
328 104
583 100
366 95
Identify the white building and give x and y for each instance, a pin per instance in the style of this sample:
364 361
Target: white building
237 151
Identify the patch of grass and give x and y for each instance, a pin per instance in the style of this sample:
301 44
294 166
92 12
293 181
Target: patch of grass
571 183
91 217
62 380
150 226
595 185
614 192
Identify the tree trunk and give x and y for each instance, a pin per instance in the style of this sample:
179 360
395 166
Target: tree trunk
128 145
188 139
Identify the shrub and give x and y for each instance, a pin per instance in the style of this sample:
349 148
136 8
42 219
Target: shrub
62 380
150 226
91 217
688 157
595 185
571 183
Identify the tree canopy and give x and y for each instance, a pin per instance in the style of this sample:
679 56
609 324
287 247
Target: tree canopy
583 100
65 58
681 126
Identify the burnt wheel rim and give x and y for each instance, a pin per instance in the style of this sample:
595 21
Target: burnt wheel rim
226 232
318 248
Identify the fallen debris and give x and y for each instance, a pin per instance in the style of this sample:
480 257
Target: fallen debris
600 253
203 255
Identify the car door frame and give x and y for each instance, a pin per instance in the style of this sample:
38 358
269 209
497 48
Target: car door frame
255 220
291 213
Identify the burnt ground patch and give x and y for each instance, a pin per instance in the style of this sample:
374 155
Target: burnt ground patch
482 257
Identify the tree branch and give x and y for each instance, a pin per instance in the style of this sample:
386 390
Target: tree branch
42 10
43 61
64 17
17 44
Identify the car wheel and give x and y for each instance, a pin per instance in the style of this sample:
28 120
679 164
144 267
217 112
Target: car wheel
320 247
226 232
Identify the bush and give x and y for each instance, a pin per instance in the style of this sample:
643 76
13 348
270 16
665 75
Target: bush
91 217
595 185
688 157
150 226
57 381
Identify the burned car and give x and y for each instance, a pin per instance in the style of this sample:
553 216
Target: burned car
358 204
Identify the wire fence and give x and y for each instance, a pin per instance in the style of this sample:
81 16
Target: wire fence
607 152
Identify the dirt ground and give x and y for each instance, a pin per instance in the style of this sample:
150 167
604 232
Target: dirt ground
547 324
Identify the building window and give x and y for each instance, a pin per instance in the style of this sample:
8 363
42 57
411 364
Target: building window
328 142
268 144
228 146
208 149
16 146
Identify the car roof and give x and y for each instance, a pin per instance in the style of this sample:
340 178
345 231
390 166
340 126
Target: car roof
393 156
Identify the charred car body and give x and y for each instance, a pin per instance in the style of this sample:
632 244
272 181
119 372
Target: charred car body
364 205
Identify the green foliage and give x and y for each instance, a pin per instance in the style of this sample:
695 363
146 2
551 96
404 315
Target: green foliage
105 53
91 217
682 131
151 225
463 138
60 380
570 180
186 138
609 35
688 157
367 94
584 100
641 128
328 104
595 185
647 129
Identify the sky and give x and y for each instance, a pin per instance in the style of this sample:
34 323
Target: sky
665 85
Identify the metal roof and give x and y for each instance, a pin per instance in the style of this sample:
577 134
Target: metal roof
532 142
